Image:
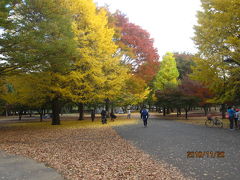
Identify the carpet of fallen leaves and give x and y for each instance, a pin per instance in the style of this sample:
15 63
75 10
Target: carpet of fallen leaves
86 153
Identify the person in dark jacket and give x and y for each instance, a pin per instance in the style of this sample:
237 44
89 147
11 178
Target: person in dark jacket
144 116
113 116
231 113
93 115
236 118
104 116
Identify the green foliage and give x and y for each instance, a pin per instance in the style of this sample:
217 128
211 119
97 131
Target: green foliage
184 63
167 74
5 7
175 97
218 29
215 74
63 50
37 41
217 38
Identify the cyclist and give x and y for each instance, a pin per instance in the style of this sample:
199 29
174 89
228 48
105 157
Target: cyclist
209 117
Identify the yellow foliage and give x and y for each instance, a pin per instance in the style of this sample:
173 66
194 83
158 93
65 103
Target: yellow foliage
75 124
98 73
134 92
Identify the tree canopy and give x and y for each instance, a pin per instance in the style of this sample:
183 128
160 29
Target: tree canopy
67 47
168 73
217 38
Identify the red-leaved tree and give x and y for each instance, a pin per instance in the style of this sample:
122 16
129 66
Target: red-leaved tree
137 48
195 89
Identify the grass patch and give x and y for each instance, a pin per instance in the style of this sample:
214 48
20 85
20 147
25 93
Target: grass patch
197 120
73 124
201 121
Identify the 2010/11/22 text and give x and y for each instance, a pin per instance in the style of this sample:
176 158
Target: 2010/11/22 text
205 154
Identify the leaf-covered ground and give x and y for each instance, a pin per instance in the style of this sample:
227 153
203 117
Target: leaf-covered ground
84 153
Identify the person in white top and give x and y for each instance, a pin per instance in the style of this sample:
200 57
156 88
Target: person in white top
129 114
237 116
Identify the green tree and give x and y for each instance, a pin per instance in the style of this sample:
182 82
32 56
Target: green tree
217 38
167 74
41 40
214 74
26 90
217 31
184 63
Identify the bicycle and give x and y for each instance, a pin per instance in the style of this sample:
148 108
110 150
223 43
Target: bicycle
214 122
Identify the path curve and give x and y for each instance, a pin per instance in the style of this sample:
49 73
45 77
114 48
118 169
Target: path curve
14 167
169 141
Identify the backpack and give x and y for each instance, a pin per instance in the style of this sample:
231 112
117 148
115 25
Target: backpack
144 113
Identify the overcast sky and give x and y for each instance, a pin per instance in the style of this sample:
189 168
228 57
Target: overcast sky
170 22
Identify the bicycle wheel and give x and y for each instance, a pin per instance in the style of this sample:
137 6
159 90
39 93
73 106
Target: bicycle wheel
208 123
219 124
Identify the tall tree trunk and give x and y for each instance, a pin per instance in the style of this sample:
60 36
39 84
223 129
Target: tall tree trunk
20 115
178 112
150 107
107 102
93 114
6 113
223 109
56 111
138 108
81 111
168 111
164 111
205 110
112 108
41 114
186 113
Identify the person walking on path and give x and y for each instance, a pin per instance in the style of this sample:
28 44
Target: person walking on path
93 115
129 114
113 116
235 119
104 116
231 113
144 116
238 117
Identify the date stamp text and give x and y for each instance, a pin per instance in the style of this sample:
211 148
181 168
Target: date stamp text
205 154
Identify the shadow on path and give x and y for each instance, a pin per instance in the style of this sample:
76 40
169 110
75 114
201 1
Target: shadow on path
20 168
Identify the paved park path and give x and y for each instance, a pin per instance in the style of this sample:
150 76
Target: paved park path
20 168
170 141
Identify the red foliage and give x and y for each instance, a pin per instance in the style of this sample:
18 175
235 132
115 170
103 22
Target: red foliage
148 70
193 88
143 57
